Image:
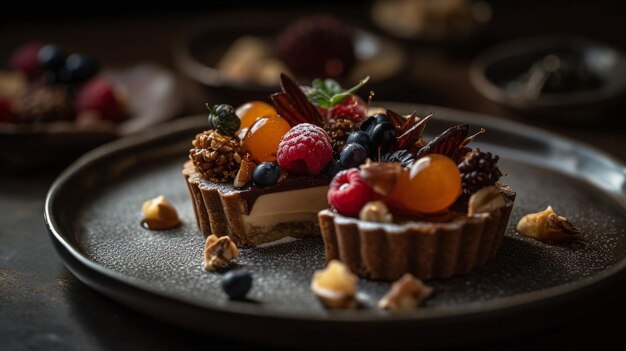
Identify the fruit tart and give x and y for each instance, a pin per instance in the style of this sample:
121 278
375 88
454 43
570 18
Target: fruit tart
261 171
433 209
46 85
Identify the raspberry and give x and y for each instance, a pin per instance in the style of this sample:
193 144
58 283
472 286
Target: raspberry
24 59
352 108
99 95
305 149
348 193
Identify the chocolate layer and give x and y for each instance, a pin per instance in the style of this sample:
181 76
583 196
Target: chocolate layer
220 207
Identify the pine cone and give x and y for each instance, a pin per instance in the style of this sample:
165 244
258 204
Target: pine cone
338 131
320 46
478 170
216 156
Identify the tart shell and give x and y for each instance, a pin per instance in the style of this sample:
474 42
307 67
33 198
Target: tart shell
427 250
220 208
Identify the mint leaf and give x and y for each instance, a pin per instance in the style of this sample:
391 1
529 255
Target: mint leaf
327 93
337 98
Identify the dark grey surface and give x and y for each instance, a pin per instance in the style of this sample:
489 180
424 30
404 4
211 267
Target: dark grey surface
107 231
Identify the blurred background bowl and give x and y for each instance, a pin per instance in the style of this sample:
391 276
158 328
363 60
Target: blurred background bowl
197 53
561 76
153 96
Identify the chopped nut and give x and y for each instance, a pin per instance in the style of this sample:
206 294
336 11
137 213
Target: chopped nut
381 176
218 252
159 214
335 286
405 294
485 200
548 227
216 156
246 169
376 211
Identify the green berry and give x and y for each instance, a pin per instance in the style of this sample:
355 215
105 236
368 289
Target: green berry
223 119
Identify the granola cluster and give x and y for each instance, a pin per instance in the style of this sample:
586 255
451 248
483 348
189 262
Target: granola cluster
217 157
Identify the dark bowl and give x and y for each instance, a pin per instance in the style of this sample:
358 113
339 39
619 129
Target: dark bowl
202 45
496 75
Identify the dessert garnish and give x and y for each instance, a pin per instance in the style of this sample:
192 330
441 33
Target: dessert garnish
246 171
376 211
405 294
222 119
305 149
237 284
335 286
159 214
218 252
266 174
216 152
479 169
348 193
485 200
548 227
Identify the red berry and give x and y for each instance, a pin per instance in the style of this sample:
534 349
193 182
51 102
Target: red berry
6 111
304 149
24 59
348 193
98 95
352 108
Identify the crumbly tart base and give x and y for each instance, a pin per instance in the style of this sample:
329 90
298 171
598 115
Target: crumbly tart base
220 209
425 249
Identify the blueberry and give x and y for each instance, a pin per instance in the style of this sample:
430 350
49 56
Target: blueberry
333 168
367 124
79 68
360 137
266 174
236 284
51 57
383 136
353 155
380 118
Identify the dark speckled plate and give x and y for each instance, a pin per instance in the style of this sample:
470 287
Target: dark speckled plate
93 213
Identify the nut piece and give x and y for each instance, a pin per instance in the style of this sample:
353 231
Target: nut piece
376 211
246 169
485 200
548 227
159 214
335 286
218 252
405 294
381 176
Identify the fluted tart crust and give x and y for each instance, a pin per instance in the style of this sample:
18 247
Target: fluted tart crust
386 251
221 209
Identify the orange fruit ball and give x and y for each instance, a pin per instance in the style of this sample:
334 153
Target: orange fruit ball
430 185
262 138
252 111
